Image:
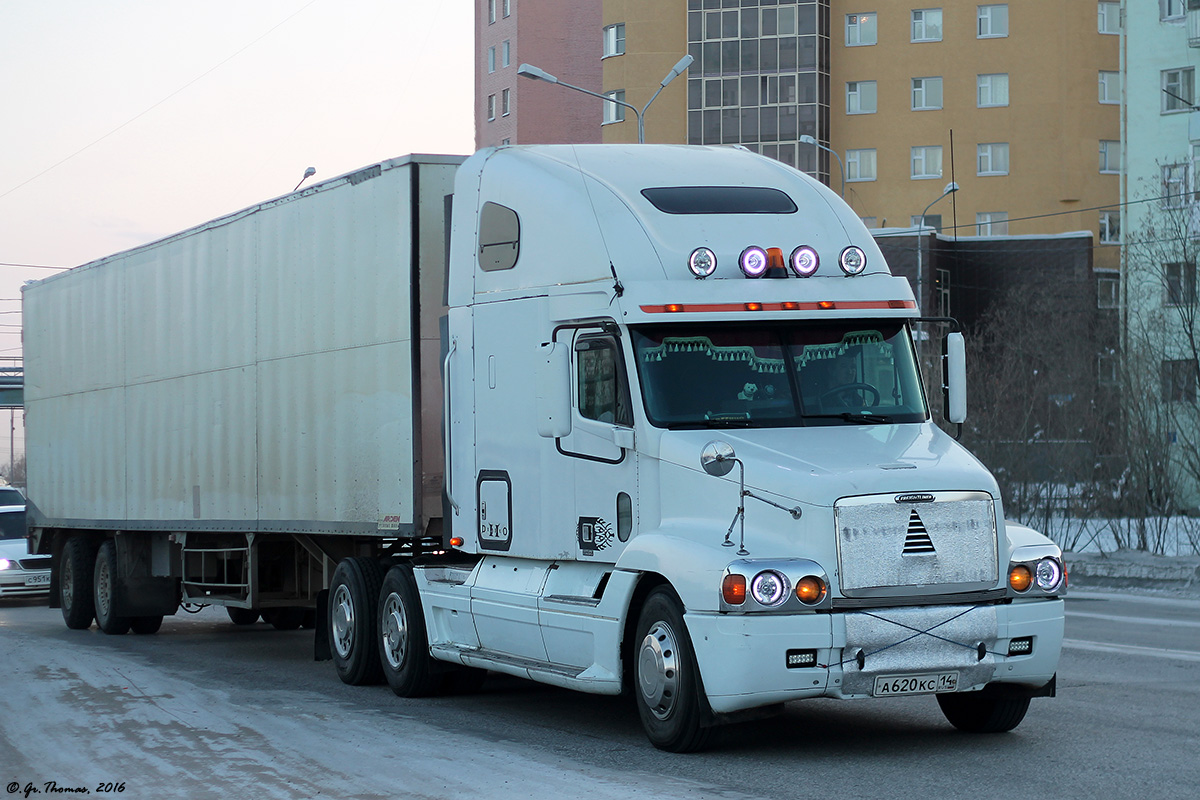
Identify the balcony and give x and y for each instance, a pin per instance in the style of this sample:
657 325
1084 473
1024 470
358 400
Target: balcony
1193 23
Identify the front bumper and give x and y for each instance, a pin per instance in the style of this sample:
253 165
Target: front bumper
743 658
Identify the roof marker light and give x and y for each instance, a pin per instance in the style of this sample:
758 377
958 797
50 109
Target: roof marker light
853 260
753 262
754 306
804 261
702 262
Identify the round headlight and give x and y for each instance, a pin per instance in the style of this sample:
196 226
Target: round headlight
769 588
1048 574
702 262
753 261
853 260
804 261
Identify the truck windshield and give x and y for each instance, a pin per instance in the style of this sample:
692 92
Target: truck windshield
778 374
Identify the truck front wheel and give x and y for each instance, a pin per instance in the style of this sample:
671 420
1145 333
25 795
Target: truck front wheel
403 641
75 583
983 712
105 595
668 691
353 594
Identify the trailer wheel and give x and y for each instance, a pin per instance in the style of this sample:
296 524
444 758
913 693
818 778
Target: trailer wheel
75 583
144 626
242 616
287 618
981 712
668 691
105 594
353 595
403 641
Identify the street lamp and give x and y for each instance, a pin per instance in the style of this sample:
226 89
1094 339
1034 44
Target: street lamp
806 139
537 74
951 188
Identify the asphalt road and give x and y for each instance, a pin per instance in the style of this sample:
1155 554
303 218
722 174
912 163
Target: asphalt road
205 709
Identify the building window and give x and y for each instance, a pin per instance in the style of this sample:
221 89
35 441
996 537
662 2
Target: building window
927 162
1171 9
507 7
505 102
506 141
870 222
927 25
860 165
931 221
1108 291
1179 381
941 286
492 59
992 159
1110 156
612 111
506 53
992 90
993 21
1110 87
1180 283
1109 17
860 97
991 223
1110 227
926 94
861 29
1178 89
1106 369
491 11
614 40
1175 185
491 107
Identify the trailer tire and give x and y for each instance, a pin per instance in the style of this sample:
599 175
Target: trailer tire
144 626
105 594
403 641
242 616
75 581
352 622
667 686
288 618
983 712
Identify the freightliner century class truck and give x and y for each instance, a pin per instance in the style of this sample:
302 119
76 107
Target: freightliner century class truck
644 418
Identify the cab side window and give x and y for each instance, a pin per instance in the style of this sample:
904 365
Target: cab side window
603 391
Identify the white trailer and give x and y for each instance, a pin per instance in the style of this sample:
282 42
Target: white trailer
654 420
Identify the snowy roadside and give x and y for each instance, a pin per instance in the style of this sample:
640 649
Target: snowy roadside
1177 575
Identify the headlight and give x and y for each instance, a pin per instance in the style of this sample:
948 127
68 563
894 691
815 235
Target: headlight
804 261
753 262
769 588
6 564
702 262
1048 574
853 260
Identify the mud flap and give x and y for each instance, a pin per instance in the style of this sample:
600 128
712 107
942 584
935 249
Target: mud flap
321 651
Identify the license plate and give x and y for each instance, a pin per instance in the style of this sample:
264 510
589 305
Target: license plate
38 580
892 685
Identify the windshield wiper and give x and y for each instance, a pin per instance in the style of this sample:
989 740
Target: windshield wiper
719 422
871 419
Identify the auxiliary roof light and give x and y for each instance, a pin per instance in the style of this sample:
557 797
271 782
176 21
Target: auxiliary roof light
702 262
753 262
853 260
804 261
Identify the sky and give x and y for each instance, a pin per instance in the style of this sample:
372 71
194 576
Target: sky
124 121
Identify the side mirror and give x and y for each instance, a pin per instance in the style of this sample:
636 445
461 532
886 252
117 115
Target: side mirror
956 378
717 458
553 378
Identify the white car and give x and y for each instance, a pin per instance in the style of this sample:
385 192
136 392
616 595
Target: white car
21 574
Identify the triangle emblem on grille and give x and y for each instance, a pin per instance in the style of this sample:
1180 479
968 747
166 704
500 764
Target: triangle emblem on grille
917 542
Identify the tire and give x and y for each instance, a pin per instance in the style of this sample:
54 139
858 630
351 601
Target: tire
75 583
983 712
667 687
242 616
352 621
403 642
287 618
105 594
145 626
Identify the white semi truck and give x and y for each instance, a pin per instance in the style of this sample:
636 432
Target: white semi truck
642 418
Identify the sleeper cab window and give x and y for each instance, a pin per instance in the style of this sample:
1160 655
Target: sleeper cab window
603 395
499 237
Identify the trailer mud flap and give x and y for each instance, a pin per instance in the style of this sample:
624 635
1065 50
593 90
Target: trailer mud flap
321 651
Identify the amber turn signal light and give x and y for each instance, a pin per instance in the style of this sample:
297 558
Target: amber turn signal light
733 589
1020 578
810 590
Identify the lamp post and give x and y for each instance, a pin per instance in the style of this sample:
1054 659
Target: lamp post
806 139
951 188
534 73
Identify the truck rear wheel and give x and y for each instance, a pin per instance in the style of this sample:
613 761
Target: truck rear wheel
667 690
105 595
144 626
352 624
403 640
983 712
75 581
242 616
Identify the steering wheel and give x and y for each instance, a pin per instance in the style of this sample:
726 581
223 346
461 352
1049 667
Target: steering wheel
841 393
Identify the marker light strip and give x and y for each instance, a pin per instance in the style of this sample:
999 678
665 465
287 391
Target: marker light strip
823 305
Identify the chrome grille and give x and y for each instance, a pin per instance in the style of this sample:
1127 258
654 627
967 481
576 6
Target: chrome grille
904 545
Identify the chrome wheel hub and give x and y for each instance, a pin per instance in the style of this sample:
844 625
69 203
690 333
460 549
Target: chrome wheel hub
103 588
395 631
342 616
658 670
